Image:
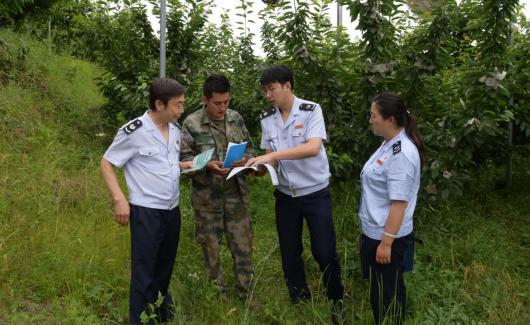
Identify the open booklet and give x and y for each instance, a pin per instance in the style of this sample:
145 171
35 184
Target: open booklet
234 152
272 171
200 161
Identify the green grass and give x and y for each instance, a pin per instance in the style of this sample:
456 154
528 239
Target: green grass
63 260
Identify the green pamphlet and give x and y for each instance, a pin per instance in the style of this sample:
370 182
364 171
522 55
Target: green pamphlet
200 161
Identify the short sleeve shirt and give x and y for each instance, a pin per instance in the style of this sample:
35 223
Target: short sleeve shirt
391 174
150 164
306 121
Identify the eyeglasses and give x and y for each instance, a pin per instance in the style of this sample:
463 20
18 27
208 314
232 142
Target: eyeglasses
266 90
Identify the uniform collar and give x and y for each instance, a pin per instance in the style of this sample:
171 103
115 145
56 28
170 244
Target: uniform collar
204 116
229 116
205 120
395 139
149 124
295 111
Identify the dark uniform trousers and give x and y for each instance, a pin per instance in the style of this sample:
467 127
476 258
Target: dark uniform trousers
387 287
154 242
316 209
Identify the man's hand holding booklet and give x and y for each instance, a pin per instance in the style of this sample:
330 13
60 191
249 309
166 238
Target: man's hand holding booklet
200 161
234 152
258 167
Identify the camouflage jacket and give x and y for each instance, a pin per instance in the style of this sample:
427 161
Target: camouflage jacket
199 134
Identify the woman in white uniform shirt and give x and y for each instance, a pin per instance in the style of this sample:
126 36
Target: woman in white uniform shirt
390 181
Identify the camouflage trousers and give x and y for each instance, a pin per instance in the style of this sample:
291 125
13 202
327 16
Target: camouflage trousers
234 222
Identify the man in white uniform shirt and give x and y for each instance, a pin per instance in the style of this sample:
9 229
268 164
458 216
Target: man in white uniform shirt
148 149
292 134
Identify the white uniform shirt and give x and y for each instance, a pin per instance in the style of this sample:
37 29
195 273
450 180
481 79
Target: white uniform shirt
151 166
302 176
391 173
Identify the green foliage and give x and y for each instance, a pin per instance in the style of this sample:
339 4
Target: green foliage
495 25
519 70
14 10
64 260
184 23
378 42
455 66
117 35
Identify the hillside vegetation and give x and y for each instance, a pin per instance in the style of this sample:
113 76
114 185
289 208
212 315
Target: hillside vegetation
63 260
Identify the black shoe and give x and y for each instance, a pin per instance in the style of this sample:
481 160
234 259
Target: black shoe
166 311
298 296
300 299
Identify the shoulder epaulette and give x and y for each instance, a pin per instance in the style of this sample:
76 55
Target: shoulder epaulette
133 126
178 125
396 147
307 107
268 113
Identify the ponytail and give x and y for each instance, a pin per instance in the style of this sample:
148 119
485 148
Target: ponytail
411 128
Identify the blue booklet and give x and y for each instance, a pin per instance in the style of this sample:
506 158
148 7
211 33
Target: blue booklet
234 152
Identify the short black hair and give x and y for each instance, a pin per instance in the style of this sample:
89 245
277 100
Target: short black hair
164 89
277 73
217 83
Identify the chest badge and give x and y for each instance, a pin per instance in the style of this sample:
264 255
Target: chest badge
380 162
299 126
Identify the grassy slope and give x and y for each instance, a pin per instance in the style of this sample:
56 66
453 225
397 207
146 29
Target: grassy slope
64 260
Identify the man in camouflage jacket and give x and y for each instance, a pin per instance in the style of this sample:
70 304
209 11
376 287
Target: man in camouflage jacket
220 205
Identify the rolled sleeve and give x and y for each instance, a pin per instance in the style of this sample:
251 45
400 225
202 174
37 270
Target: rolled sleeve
316 127
400 179
121 150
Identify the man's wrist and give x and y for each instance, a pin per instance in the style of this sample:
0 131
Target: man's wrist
118 199
387 240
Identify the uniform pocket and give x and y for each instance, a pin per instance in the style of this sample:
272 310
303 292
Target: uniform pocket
298 132
204 144
237 136
149 158
298 136
378 170
148 152
377 179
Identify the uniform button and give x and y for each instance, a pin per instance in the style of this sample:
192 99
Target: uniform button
284 138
